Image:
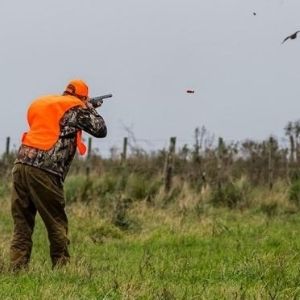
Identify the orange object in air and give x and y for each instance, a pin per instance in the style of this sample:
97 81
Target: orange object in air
43 116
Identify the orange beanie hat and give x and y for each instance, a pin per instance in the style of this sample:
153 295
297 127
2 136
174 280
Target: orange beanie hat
78 87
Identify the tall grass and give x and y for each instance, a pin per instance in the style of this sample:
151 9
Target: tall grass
220 254
131 240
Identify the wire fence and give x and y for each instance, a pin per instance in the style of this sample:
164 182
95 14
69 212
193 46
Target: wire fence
106 146
204 157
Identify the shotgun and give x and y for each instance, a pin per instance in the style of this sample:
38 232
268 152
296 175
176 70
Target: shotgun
97 101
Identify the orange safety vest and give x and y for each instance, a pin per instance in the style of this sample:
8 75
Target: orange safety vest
43 116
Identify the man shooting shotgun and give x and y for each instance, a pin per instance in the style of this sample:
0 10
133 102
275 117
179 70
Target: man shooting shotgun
43 160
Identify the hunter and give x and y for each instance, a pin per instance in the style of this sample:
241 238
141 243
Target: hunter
55 123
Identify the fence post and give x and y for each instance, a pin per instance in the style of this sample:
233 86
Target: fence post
89 148
292 153
88 159
169 165
7 145
220 162
270 162
124 153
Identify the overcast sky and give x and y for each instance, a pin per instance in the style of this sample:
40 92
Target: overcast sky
148 53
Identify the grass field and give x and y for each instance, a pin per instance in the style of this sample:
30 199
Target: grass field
215 254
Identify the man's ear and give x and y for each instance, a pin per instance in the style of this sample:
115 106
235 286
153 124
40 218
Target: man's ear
70 89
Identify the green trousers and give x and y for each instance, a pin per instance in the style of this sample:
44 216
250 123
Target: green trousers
36 190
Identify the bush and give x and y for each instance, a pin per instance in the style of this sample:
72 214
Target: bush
137 187
140 187
294 192
78 188
270 209
106 184
121 218
230 195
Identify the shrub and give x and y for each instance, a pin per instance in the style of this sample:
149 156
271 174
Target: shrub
121 218
77 188
229 194
138 187
270 209
105 184
294 192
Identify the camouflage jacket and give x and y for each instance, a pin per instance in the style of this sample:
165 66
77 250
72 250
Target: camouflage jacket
58 159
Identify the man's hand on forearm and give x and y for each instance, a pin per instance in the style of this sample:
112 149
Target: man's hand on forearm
94 104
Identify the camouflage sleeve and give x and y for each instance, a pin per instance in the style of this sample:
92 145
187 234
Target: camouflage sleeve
91 122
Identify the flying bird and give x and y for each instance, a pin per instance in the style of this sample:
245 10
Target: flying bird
292 36
254 13
190 91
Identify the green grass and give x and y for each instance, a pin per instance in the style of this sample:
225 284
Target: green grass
220 254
